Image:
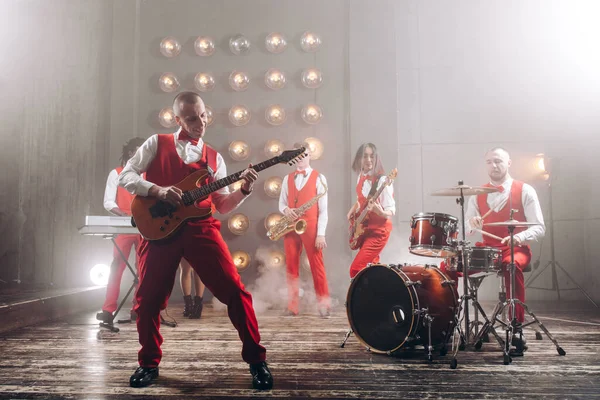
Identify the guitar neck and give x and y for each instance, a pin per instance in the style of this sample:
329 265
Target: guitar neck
203 191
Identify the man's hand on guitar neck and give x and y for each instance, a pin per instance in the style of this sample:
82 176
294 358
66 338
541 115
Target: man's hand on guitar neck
170 194
249 175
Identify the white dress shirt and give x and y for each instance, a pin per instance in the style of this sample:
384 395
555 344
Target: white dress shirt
386 200
131 178
499 200
300 181
110 192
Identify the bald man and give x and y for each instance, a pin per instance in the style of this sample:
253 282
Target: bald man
167 159
511 194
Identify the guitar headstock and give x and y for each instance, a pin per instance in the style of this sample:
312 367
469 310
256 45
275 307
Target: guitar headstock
292 156
391 176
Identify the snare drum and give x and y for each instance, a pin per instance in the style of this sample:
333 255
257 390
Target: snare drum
433 235
481 259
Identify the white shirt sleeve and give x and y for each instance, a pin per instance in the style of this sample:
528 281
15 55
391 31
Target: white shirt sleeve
110 192
131 176
471 211
224 200
283 195
322 204
386 199
533 213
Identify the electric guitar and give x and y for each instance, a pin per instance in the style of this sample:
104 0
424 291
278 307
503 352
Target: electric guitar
157 219
358 220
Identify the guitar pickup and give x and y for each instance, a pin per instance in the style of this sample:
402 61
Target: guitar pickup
161 209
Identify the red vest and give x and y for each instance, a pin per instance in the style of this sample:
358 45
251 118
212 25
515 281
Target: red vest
298 198
168 168
374 220
515 201
124 198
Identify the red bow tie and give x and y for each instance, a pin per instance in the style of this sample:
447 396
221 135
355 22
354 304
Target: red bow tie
183 135
299 173
500 188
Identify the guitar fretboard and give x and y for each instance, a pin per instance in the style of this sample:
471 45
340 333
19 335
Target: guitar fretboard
191 196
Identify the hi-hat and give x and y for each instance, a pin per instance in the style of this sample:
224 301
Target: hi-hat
464 190
512 222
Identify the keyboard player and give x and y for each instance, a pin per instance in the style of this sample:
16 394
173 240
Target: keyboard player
117 201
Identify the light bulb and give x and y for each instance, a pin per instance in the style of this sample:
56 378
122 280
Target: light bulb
238 224
273 186
272 219
275 114
241 259
239 150
311 114
239 115
315 148
310 42
168 82
166 117
274 148
312 78
204 82
209 116
239 81
275 79
204 46
275 43
239 44
170 47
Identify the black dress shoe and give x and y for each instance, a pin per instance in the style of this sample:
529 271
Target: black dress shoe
261 376
105 317
143 377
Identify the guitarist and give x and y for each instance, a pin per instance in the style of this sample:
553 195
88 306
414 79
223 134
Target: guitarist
167 159
298 188
369 167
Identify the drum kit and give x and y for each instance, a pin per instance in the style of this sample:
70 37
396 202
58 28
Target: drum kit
396 307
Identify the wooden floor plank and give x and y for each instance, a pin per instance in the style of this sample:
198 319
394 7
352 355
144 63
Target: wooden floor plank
66 359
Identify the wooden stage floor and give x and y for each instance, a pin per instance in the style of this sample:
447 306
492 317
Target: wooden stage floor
65 359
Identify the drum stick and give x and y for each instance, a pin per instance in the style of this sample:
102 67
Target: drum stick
489 234
494 208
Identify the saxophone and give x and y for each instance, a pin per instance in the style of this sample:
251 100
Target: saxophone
285 225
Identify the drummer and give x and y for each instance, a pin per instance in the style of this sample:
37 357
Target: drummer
496 207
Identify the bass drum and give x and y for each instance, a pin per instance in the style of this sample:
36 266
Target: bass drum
383 301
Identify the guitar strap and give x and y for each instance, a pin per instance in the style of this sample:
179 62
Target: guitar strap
374 185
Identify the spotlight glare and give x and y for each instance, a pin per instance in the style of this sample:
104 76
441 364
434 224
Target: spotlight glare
99 274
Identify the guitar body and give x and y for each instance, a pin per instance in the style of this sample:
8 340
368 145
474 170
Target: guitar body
157 219
357 232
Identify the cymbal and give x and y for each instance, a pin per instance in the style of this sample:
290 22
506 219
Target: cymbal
465 190
512 222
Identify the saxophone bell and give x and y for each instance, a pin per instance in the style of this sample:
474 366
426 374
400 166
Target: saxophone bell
300 226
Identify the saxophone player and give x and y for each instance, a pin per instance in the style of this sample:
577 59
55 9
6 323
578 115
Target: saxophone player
298 188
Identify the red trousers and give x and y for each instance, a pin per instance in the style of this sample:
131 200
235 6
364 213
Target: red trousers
522 259
375 240
202 245
125 242
292 243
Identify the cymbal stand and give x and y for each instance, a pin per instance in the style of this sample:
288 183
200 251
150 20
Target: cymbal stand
514 327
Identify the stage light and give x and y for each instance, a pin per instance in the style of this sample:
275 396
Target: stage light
241 259
204 82
275 114
310 42
273 148
239 150
311 114
238 224
204 46
540 162
168 82
276 259
166 117
312 78
209 116
275 79
239 44
273 186
315 147
170 47
239 81
272 219
239 115
275 43
99 274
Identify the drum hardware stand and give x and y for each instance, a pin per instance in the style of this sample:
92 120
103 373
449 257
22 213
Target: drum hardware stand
110 325
427 321
346 337
514 327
